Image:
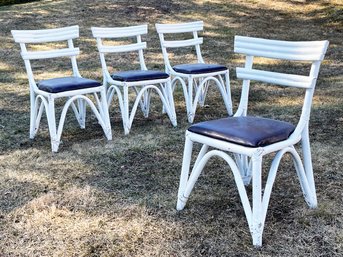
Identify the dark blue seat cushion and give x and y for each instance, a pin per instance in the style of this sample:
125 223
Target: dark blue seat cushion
247 131
198 68
139 75
58 85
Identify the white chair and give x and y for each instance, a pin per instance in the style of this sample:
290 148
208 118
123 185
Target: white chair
142 81
44 93
250 138
197 76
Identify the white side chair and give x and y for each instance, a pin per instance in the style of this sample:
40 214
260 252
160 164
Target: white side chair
250 138
142 81
75 88
195 76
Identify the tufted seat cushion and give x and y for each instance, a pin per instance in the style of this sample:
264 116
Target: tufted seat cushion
58 85
247 131
139 75
198 68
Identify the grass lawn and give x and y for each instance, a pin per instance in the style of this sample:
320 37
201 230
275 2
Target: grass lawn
118 198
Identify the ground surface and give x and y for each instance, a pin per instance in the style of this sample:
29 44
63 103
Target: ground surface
99 198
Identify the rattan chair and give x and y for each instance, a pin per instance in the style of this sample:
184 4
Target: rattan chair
194 76
75 88
242 141
142 81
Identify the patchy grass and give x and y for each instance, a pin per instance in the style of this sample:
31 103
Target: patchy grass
99 198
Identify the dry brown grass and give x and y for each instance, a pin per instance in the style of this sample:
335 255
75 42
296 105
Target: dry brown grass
98 198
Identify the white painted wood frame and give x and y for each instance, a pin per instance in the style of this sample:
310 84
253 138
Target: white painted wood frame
246 162
142 88
195 86
45 101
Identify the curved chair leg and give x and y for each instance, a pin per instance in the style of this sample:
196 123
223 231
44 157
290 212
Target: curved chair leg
161 92
201 88
128 115
203 94
144 102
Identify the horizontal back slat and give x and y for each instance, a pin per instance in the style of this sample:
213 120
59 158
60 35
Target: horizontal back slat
45 35
180 27
281 79
119 31
182 43
122 48
32 55
297 51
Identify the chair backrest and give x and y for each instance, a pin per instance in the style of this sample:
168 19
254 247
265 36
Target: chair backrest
24 37
189 27
120 32
306 51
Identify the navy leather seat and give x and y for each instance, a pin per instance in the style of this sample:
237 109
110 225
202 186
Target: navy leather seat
139 75
198 68
58 85
247 131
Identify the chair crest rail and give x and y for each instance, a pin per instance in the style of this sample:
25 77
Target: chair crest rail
119 31
296 51
45 35
180 28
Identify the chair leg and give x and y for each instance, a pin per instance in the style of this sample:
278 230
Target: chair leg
228 101
187 155
125 111
105 115
55 142
189 101
167 93
305 143
36 112
201 87
82 111
32 114
246 170
203 94
257 225
146 103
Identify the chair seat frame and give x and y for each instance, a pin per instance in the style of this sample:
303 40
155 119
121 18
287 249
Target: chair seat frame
194 86
246 162
142 88
45 101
